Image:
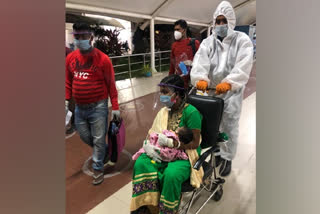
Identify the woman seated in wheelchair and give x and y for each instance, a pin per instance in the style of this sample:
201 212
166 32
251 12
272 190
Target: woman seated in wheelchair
156 183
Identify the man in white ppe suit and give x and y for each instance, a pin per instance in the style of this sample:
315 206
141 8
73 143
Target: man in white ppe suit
224 62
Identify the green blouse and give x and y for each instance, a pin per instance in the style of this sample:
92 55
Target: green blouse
188 117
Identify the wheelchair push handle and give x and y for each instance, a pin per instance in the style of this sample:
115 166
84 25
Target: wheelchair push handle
198 91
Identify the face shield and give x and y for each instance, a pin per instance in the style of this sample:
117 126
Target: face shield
156 100
165 96
159 95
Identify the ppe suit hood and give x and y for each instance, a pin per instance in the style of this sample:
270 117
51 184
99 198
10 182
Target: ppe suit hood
225 9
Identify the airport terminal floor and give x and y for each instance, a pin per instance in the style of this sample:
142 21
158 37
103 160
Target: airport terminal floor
136 99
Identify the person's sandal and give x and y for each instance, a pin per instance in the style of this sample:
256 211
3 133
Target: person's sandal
98 177
110 163
107 161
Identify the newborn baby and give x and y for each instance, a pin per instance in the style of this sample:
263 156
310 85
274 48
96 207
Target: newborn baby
184 135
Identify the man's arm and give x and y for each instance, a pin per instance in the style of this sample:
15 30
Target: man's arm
201 63
240 73
68 83
111 83
172 61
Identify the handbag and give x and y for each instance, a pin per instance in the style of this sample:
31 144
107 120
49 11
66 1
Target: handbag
116 139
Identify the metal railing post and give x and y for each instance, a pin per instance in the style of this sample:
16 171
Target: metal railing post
129 66
152 60
160 62
142 62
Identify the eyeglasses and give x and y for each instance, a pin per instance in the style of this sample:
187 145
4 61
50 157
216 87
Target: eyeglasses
224 20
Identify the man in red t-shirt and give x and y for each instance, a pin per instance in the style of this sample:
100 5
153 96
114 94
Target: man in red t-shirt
90 81
181 50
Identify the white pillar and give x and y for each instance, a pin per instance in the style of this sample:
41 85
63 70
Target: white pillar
208 33
152 45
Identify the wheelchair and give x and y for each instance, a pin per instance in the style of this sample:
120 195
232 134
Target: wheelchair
211 109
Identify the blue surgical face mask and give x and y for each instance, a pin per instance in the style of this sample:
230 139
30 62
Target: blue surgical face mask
221 30
83 45
166 100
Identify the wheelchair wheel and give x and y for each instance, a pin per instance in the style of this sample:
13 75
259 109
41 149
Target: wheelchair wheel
218 195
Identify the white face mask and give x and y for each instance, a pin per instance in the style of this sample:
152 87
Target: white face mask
221 30
177 35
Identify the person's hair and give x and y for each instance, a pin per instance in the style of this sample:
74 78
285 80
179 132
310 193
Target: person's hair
185 135
182 23
80 26
174 80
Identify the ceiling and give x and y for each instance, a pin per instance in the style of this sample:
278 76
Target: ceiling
197 13
72 18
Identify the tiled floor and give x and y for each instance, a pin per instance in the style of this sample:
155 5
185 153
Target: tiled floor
136 98
240 187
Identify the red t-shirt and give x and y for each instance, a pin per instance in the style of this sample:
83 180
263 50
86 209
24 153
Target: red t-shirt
181 51
90 78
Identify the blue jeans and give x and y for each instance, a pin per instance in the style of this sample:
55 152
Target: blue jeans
92 123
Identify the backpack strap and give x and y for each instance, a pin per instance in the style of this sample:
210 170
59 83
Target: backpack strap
193 45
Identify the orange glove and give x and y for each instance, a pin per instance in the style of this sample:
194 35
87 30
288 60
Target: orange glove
223 88
202 85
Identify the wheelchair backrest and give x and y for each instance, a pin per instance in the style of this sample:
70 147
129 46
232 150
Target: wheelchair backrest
211 109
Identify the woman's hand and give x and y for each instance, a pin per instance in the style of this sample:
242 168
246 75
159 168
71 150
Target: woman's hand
152 151
195 141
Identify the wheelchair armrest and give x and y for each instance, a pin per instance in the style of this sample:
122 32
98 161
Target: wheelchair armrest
204 156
